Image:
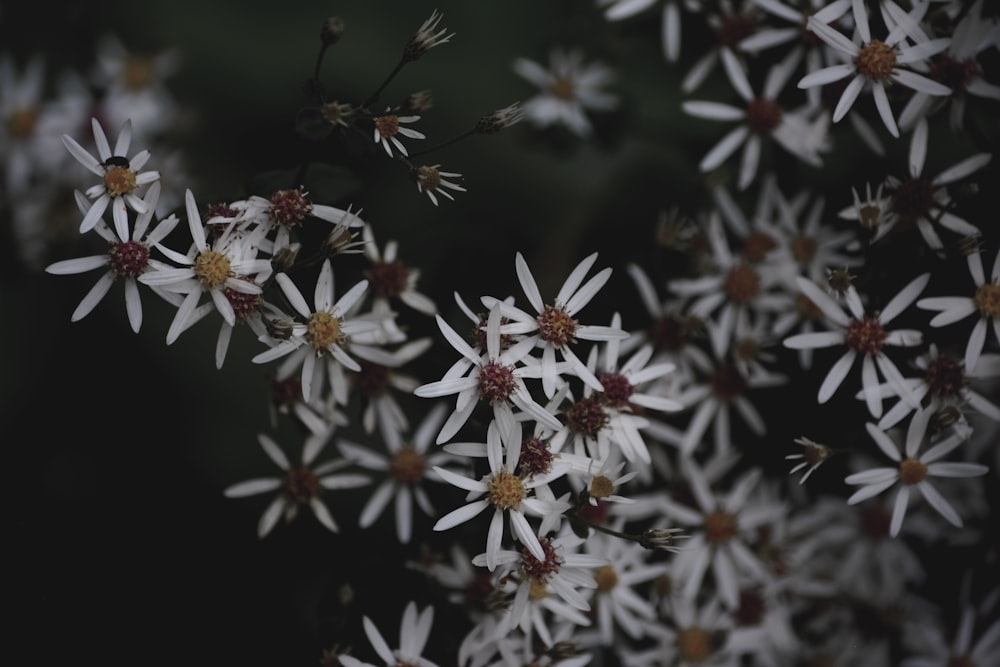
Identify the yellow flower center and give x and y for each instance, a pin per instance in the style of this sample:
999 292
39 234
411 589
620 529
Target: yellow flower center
606 578
119 181
387 126
601 487
211 268
506 491
324 331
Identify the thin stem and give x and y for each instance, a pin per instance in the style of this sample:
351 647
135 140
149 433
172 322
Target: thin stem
449 142
374 96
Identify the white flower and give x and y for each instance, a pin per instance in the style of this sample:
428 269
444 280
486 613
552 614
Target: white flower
967 647
985 300
127 259
327 332
813 456
414 631
433 181
864 335
387 129
121 177
494 377
390 279
506 492
913 470
568 90
219 269
761 117
722 528
554 327
876 62
407 465
299 485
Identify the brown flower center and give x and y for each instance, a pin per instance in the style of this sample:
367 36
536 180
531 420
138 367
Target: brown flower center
804 249
407 465
496 382
617 390
742 283
694 644
720 527
289 207
728 383
373 378
586 417
563 89
21 123
912 471
763 116
535 458
987 300
866 335
138 72
428 177
119 181
387 126
606 578
876 60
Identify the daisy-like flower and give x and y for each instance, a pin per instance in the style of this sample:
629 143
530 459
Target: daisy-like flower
562 572
388 128
921 201
506 491
432 181
985 300
913 470
554 327
958 69
414 631
221 269
967 647
731 24
390 279
873 212
126 260
494 377
377 382
326 333
408 464
299 484
943 387
876 62
670 22
863 334
569 89
121 177
812 457
722 530
761 117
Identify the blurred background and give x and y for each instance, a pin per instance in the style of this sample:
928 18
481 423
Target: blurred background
117 447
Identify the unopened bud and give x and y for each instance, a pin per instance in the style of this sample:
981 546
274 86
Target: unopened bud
499 119
279 329
416 103
332 29
339 240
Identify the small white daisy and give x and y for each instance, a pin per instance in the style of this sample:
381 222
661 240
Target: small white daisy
913 470
414 631
432 181
388 128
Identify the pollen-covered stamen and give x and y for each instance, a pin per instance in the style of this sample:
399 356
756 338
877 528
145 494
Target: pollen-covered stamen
956 74
407 465
876 60
912 200
728 383
912 471
563 89
129 259
211 268
734 29
387 126
372 379
720 527
945 376
606 578
752 608
388 279
601 487
617 390
506 491
496 382
289 207
742 283
119 181
540 570
21 122
586 417
804 249
866 335
694 644
244 305
535 459
555 326
324 331
763 115
987 300
301 485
